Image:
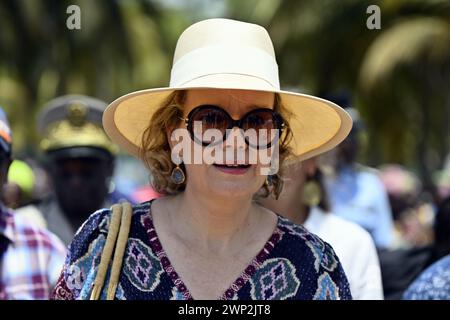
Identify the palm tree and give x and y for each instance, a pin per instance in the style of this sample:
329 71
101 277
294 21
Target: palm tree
404 85
122 46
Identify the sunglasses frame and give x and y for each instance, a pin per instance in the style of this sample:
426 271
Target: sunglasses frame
188 121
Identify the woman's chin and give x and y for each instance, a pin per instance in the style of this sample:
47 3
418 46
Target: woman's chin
233 189
226 182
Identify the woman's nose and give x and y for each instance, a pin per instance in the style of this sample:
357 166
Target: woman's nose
235 138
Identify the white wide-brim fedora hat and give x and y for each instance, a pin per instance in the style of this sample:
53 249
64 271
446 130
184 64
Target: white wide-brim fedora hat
229 54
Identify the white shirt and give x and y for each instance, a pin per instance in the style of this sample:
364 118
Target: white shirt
358 195
355 249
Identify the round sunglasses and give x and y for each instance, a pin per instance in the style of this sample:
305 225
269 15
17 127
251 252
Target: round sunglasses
266 123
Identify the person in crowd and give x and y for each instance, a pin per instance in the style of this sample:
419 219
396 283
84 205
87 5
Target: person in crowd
304 200
356 191
432 284
18 190
413 217
79 159
19 193
30 258
401 265
441 179
207 238
441 228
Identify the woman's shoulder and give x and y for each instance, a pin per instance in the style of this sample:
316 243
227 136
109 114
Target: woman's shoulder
298 234
98 224
314 259
86 249
301 244
100 219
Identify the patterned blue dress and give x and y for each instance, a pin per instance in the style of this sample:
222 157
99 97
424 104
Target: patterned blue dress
432 284
293 264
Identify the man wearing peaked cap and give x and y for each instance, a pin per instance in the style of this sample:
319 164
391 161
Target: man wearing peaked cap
80 161
30 257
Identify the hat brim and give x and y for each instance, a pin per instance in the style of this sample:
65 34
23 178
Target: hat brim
318 125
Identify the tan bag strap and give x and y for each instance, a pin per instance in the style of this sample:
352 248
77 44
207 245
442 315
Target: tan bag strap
121 244
116 241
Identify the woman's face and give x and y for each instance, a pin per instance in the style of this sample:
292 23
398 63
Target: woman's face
222 179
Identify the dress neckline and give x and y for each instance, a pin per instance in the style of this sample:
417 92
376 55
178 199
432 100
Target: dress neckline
241 281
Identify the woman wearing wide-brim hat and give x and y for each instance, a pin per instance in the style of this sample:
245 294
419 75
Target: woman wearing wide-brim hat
207 238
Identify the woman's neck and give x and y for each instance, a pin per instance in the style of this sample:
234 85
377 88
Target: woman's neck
213 224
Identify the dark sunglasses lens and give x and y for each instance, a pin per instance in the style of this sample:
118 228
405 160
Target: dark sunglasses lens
208 118
265 124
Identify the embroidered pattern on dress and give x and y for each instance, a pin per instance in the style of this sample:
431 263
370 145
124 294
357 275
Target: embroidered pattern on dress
157 249
275 280
80 275
323 254
103 226
270 275
120 293
326 288
256 263
141 267
230 293
176 295
292 228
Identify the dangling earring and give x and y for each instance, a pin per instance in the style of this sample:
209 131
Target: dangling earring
269 181
177 176
311 193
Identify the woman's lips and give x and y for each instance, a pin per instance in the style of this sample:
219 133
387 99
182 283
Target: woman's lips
233 169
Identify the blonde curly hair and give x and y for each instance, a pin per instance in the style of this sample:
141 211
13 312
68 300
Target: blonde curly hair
156 151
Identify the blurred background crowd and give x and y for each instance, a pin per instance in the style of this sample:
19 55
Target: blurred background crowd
391 176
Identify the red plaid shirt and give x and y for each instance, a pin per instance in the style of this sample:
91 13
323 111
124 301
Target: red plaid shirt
30 259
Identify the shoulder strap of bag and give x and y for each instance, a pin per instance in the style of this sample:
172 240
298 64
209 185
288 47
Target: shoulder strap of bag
116 242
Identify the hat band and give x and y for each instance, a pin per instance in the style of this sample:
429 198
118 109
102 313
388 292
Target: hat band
221 59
